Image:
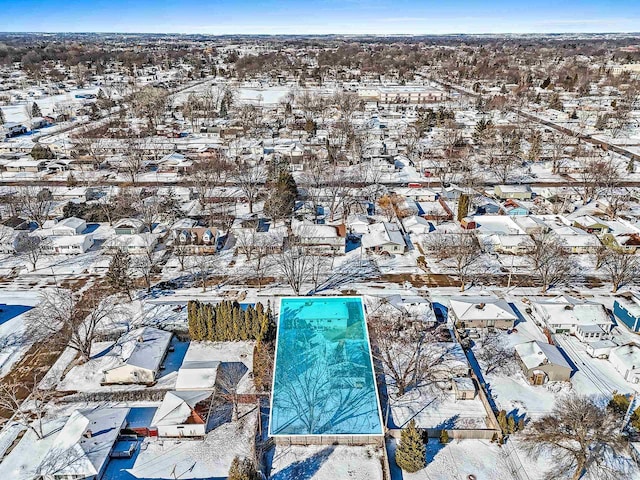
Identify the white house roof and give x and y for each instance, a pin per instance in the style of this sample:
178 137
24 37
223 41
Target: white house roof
138 240
567 310
481 308
69 240
626 356
176 407
128 222
310 230
534 354
145 347
514 188
66 449
382 234
197 375
71 222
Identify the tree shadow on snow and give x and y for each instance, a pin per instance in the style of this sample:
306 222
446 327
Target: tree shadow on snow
304 469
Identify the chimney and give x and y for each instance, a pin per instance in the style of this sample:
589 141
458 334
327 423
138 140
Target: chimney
481 306
140 339
88 434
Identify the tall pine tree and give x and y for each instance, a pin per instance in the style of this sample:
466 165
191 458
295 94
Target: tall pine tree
35 110
411 453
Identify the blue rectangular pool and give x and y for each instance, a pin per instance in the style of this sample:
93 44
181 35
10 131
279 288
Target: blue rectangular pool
324 382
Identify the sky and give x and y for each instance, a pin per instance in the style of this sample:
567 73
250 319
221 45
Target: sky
220 17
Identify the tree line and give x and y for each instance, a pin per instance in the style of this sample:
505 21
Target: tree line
228 321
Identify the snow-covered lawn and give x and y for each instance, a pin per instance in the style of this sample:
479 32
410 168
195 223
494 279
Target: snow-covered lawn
432 408
326 462
14 308
458 460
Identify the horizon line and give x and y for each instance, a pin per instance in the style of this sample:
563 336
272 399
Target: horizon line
63 32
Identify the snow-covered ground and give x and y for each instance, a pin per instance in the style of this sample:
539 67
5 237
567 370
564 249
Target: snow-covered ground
14 308
431 408
326 462
458 460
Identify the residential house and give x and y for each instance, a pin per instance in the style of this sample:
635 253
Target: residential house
66 226
591 224
197 239
542 362
174 163
513 208
77 447
577 241
384 238
248 240
67 244
626 360
128 226
142 352
531 225
482 312
27 164
589 321
622 236
134 244
329 239
626 308
183 413
515 192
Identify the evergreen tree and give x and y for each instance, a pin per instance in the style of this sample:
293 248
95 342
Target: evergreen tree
118 275
502 420
35 110
2 118
463 206
71 180
41 152
511 424
282 197
242 470
555 103
444 437
411 452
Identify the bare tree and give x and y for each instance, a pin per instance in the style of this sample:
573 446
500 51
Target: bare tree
31 248
150 103
146 265
26 404
405 347
133 159
228 382
250 180
494 353
72 319
550 260
201 266
596 174
35 203
582 439
460 249
181 252
622 268
295 265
